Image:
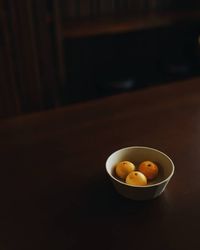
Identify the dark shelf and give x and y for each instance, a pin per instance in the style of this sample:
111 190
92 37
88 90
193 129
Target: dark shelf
119 24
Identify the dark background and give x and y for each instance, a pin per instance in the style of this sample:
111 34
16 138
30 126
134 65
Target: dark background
113 63
56 53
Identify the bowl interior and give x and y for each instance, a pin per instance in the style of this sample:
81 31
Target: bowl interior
137 155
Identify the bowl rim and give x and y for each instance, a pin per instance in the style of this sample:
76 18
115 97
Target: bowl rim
137 186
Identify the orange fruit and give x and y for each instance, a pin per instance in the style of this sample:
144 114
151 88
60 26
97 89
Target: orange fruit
136 178
123 168
149 169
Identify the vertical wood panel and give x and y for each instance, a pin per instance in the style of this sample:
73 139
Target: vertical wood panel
59 41
31 83
46 57
9 99
31 56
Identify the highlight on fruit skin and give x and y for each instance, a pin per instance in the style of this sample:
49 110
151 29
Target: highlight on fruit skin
123 168
149 169
136 178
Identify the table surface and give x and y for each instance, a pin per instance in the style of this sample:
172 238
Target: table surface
54 190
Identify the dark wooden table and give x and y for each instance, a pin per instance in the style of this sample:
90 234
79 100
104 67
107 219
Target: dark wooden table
54 190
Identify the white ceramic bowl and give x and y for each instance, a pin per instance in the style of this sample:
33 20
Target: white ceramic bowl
137 154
